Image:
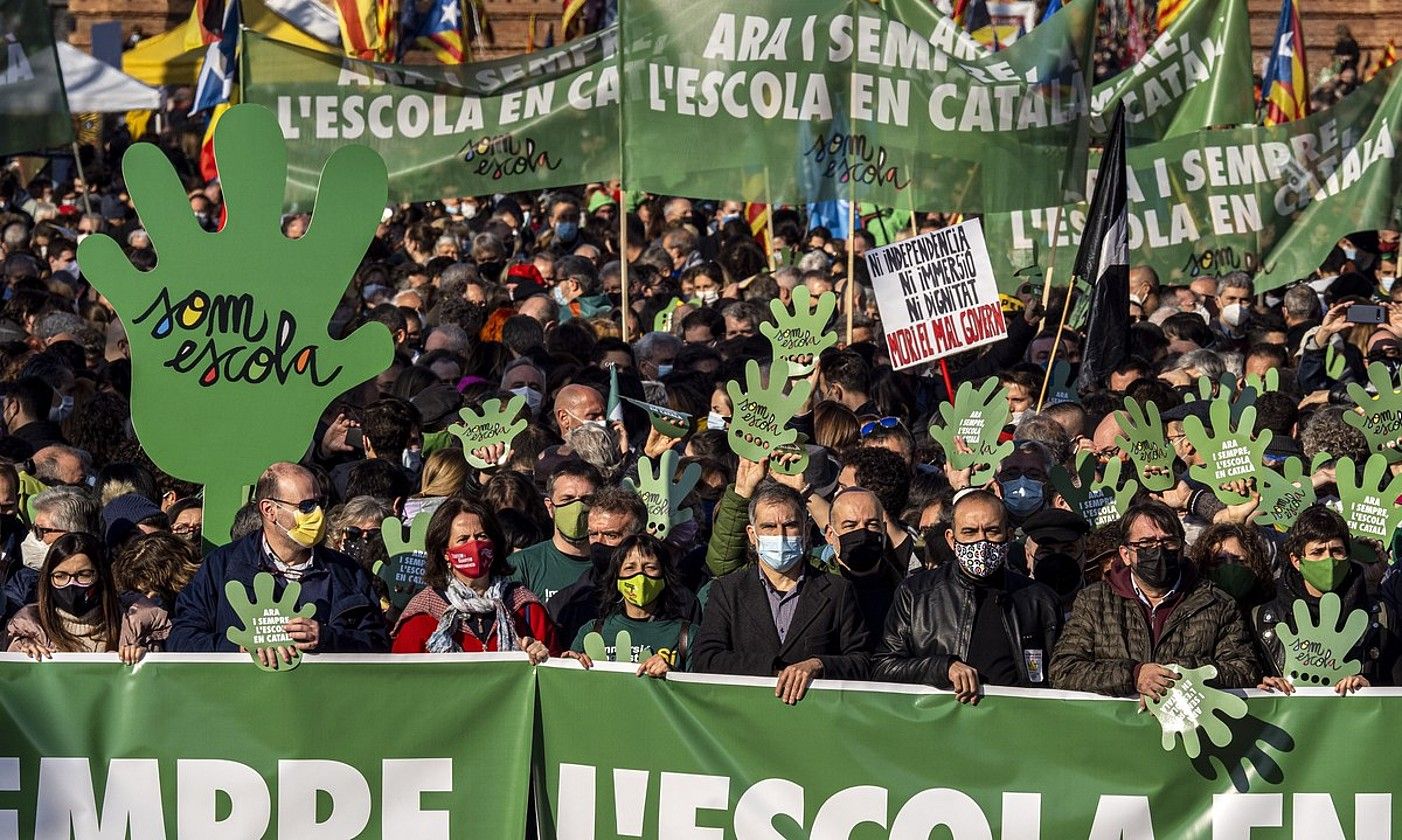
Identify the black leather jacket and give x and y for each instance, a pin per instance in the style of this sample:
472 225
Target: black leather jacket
932 620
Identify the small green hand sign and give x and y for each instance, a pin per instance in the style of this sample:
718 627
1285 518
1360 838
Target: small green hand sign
265 617
1060 388
1368 503
1147 444
596 650
798 335
762 412
661 495
1225 388
1188 709
977 417
1262 385
1335 362
1099 501
495 424
228 331
1380 419
668 421
1315 651
1284 494
1229 450
403 572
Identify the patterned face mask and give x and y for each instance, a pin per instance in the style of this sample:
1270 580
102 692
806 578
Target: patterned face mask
981 558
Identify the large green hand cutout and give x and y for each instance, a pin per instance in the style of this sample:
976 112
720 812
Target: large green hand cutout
265 617
1059 387
797 335
403 572
231 361
1283 494
495 424
977 417
1381 417
1189 708
661 495
1315 652
762 413
1099 501
596 650
1147 444
1369 503
1229 450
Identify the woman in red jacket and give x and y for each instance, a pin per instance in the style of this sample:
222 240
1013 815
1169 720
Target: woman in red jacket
468 603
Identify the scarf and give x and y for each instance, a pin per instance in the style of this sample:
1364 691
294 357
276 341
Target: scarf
463 600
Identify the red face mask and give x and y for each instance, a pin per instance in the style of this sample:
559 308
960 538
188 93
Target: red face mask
472 558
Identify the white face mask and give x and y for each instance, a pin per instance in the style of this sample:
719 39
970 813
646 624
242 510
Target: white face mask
469 211
1235 314
708 296
715 421
33 551
412 460
531 395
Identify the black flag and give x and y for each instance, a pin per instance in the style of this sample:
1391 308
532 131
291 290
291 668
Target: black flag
1103 261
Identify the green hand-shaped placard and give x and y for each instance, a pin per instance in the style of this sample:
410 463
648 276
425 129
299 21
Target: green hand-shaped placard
1059 387
797 335
1229 450
977 416
1225 389
1368 503
668 421
1261 385
1315 652
495 424
1381 417
1099 501
1335 362
1147 444
762 412
787 466
1283 494
403 572
265 617
231 361
1188 709
596 650
661 495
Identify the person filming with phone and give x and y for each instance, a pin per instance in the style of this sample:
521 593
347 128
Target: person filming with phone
1354 334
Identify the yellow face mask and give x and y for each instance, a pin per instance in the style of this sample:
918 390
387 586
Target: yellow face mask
310 529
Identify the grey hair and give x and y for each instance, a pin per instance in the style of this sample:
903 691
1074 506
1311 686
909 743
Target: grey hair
46 467
1205 362
58 322
357 508
1301 301
1043 429
771 492
16 236
651 344
814 261
458 339
597 446
1234 280
71 508
788 277
744 311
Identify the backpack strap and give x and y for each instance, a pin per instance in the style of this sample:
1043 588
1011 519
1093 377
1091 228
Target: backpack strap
682 643
599 626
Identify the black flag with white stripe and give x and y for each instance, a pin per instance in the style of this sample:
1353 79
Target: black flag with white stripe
1103 261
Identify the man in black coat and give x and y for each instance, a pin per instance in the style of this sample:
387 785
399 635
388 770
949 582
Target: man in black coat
779 616
974 621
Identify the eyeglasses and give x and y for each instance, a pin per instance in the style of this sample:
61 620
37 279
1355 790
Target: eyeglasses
884 423
304 506
1148 545
86 577
41 532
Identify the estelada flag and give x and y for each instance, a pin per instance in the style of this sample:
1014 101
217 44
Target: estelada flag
208 170
442 31
1285 85
1386 60
757 217
1168 11
367 28
208 19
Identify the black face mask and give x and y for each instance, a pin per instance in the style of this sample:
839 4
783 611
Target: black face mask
600 555
937 550
1159 567
490 270
76 600
861 550
1061 572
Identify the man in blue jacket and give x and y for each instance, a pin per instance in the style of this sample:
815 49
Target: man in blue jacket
347 619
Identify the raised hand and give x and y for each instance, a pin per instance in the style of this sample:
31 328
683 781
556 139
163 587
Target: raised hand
1284 494
265 619
976 417
1381 417
1368 503
1315 651
1188 710
403 572
489 432
762 412
1229 450
661 494
799 336
1147 444
1098 500
232 362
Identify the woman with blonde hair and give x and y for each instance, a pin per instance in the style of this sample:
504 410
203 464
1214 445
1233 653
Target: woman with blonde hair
445 474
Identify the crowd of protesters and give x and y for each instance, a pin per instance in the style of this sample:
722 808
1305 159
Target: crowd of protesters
878 562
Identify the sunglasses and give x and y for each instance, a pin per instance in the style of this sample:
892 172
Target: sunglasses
355 533
884 423
304 506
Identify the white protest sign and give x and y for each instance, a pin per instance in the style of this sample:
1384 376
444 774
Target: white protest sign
937 294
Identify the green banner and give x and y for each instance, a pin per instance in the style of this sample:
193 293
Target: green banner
1268 201
707 757
1196 74
212 748
528 122
788 101
33 106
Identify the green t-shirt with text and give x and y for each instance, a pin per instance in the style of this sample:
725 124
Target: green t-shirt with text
545 570
659 635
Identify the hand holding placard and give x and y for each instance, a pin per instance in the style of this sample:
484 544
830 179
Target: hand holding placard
1190 705
661 495
265 618
1230 452
1381 417
1368 503
491 430
1315 651
1099 501
1284 494
667 421
977 417
597 651
1147 445
762 412
797 335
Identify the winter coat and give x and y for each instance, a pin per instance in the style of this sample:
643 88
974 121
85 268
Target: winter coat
1108 636
145 623
420 619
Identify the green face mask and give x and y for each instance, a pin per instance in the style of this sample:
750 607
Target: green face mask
572 520
641 590
1237 581
1324 575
